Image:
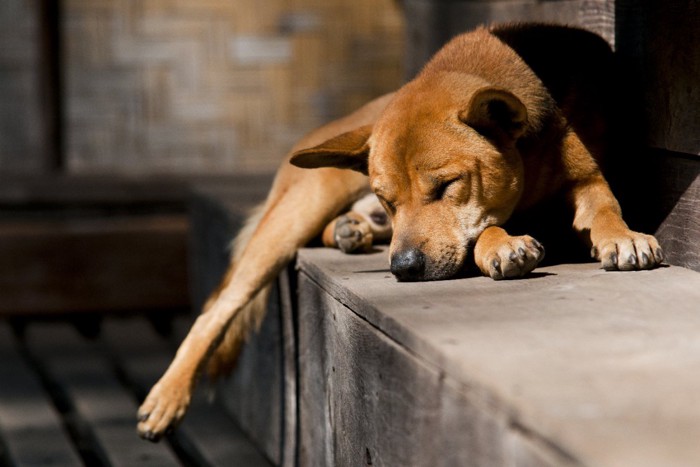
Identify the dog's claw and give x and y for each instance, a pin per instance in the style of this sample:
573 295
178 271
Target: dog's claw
628 252
514 258
495 272
659 255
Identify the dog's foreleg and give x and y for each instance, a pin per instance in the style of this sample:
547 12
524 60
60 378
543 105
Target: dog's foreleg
296 215
502 256
598 219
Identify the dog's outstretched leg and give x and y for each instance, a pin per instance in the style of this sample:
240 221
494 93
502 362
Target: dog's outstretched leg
292 221
300 205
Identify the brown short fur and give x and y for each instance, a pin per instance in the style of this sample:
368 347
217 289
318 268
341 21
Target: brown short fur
499 120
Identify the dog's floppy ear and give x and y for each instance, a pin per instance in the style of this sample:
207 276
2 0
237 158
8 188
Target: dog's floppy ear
495 113
346 151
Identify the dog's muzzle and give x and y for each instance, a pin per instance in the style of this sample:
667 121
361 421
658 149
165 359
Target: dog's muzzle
408 265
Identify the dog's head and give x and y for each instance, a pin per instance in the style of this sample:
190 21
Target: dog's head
442 159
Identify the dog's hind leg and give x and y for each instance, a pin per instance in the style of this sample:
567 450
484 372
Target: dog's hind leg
297 215
223 359
301 203
366 224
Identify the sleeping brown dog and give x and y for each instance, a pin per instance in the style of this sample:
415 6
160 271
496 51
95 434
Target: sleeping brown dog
498 121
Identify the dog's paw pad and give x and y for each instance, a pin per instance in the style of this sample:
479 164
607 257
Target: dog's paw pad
514 258
628 252
353 234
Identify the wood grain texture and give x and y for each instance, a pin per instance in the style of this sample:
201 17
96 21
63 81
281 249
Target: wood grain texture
678 204
364 399
286 284
596 368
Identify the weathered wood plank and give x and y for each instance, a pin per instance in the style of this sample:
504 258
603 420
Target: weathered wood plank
207 433
287 291
30 426
348 414
89 264
105 410
364 399
678 202
598 16
594 366
253 393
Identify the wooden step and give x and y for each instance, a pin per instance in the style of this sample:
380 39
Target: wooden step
572 366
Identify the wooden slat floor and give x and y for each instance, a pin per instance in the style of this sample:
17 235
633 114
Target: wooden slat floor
67 399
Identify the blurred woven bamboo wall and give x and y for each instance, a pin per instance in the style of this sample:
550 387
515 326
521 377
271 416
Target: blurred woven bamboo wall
23 145
201 86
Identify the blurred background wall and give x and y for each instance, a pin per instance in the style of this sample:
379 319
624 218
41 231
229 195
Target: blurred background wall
184 86
23 145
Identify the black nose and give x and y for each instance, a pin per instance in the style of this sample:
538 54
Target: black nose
408 265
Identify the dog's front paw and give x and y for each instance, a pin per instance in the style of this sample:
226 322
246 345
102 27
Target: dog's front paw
353 234
627 252
162 410
513 258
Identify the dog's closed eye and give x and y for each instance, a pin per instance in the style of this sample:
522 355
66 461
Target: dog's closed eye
447 189
443 188
389 207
